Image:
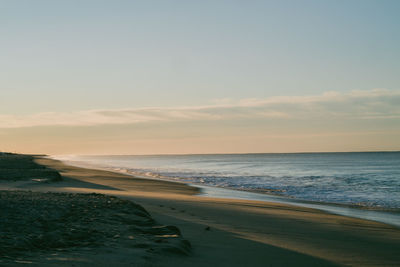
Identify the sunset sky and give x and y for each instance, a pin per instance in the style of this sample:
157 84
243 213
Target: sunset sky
155 77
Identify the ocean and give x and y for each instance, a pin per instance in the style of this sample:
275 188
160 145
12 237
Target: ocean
365 179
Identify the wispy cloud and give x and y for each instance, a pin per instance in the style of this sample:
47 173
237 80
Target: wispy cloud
371 104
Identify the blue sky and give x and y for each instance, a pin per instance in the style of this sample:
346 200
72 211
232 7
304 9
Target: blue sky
73 57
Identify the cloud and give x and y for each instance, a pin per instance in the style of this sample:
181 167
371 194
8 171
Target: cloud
371 104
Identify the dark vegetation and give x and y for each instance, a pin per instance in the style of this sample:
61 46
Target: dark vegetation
16 167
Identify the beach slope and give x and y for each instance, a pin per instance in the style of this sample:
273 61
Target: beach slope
229 232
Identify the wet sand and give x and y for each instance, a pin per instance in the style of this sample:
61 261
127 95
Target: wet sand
228 232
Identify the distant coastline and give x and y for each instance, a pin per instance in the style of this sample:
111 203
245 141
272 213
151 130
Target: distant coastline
233 153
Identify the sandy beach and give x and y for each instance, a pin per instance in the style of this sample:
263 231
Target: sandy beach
223 232
200 133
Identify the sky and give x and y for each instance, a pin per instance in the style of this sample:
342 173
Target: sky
171 77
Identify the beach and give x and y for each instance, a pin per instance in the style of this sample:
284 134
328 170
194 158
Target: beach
223 232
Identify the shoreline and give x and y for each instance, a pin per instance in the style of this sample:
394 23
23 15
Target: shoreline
234 232
383 215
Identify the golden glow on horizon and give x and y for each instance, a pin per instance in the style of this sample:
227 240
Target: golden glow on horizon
228 144
356 121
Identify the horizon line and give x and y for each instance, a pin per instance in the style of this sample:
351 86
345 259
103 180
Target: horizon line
233 153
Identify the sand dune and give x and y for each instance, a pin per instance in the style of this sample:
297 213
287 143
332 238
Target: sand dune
46 228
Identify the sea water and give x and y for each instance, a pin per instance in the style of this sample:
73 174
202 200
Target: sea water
367 179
